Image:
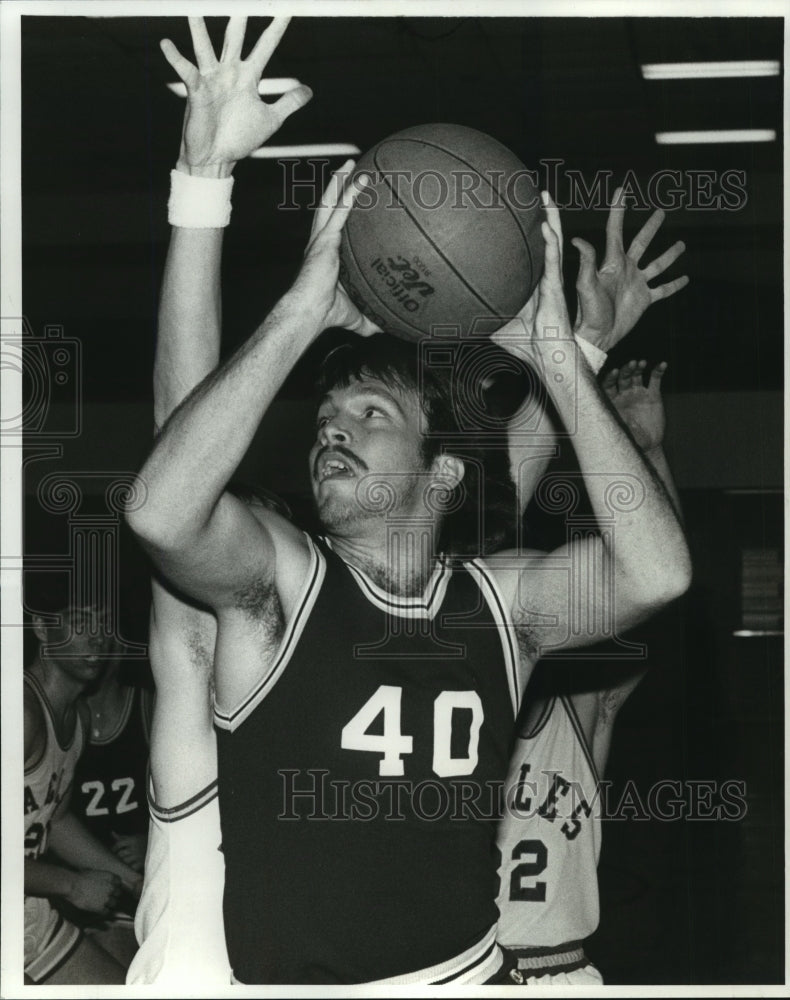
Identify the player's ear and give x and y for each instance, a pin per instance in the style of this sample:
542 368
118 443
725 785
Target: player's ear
449 469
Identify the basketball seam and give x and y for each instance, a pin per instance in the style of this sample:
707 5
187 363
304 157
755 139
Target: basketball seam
447 152
449 264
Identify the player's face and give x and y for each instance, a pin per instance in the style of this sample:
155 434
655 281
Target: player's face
81 645
367 457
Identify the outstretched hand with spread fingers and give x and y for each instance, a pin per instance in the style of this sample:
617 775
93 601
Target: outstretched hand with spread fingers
614 297
640 406
225 119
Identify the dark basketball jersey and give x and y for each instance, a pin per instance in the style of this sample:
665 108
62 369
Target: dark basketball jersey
359 781
110 779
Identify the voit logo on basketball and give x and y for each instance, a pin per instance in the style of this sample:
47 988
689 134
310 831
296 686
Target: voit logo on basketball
403 281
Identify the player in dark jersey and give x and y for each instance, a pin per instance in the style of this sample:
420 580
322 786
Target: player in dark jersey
110 779
64 863
369 654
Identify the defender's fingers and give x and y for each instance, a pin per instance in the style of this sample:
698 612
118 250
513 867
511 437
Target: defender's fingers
609 383
614 226
185 69
654 383
626 375
234 38
660 264
587 262
204 50
639 374
290 102
641 241
664 291
267 43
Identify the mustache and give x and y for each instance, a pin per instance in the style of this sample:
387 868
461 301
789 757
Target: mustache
339 449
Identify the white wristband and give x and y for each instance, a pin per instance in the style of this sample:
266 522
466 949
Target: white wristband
594 355
199 202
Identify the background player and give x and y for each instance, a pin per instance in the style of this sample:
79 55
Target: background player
264 581
549 837
179 923
110 784
63 861
550 834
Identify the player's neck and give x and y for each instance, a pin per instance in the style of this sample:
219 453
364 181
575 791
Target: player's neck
400 560
108 700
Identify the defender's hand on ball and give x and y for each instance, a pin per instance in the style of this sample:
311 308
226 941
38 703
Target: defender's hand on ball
640 406
611 300
225 119
544 319
317 281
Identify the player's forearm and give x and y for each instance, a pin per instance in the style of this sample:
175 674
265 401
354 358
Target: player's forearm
530 449
204 440
190 317
658 460
76 845
648 548
45 879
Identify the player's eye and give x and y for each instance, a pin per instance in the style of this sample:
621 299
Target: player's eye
321 422
373 411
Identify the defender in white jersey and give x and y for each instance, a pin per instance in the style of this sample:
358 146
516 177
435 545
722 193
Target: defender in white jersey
550 842
178 923
64 862
550 834
179 917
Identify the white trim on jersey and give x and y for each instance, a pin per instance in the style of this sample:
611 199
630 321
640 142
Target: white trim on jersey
232 719
425 606
507 632
474 966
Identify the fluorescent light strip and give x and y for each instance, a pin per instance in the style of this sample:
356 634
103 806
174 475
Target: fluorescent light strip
315 149
716 136
274 85
702 70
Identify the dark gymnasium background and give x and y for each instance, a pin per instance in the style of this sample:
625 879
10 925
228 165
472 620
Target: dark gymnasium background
684 900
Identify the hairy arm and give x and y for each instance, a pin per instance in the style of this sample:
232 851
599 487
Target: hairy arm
638 559
224 121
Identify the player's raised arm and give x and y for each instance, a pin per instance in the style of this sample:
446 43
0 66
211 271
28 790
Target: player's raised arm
610 302
224 121
646 558
203 539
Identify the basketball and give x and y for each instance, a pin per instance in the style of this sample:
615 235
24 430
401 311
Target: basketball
445 239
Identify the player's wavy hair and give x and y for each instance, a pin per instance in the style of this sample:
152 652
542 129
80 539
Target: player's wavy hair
471 528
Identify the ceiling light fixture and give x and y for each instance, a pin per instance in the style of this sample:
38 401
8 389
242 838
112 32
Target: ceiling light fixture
710 70
716 136
308 149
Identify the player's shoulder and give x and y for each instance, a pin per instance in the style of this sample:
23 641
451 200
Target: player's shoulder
35 727
508 566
